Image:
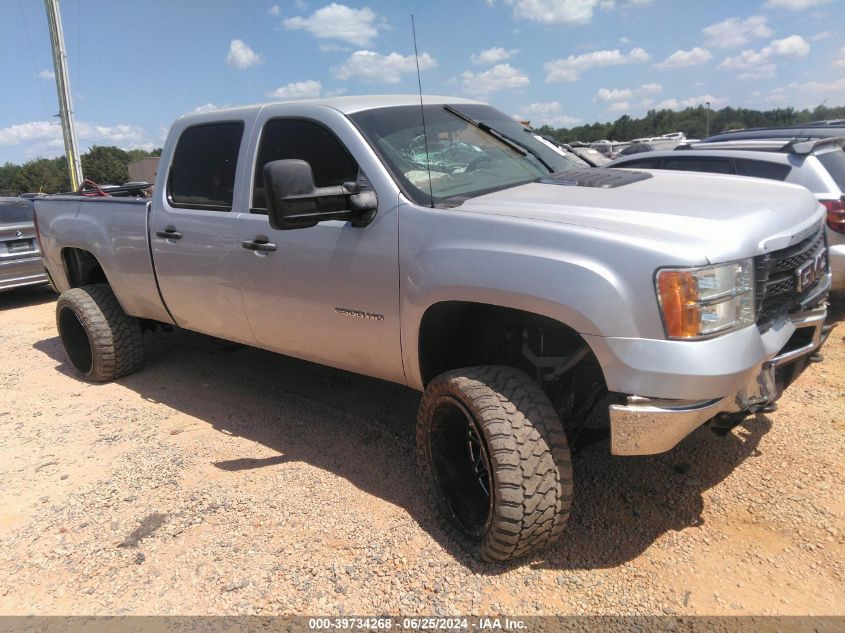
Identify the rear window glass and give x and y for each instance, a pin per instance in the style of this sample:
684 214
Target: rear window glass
15 211
834 162
762 169
202 174
645 163
712 165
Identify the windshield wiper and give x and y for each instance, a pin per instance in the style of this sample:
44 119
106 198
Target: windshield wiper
520 149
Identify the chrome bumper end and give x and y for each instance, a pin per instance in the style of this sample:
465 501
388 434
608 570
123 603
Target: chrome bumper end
647 426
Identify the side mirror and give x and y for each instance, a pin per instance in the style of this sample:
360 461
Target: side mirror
295 202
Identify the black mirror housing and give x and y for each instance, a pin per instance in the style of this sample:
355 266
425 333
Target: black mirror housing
295 202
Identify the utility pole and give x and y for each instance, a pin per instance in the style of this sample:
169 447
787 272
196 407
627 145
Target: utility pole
57 41
708 119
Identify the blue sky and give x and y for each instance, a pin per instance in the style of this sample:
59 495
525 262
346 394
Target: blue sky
137 65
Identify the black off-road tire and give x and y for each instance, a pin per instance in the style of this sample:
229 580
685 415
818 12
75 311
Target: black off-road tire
530 467
101 341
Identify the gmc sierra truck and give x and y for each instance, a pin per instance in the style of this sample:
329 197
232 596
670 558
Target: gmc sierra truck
448 248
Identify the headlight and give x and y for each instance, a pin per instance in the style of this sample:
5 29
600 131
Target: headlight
698 302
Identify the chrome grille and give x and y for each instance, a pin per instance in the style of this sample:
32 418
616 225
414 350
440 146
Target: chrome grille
776 279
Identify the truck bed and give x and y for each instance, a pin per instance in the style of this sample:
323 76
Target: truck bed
116 232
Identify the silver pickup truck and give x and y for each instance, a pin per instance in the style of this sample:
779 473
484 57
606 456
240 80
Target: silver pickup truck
470 259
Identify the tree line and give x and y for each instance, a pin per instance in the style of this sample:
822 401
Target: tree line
108 164
104 164
692 122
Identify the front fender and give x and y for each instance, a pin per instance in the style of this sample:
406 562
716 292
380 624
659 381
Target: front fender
536 267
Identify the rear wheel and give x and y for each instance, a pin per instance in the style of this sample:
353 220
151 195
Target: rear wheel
101 341
494 459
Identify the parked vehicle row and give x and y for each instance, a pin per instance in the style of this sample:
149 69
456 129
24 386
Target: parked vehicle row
20 258
526 295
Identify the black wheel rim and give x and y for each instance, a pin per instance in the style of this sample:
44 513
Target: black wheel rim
76 341
460 466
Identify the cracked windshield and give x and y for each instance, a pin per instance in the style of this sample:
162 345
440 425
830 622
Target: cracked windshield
472 150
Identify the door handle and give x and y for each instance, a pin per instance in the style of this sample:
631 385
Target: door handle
169 234
255 245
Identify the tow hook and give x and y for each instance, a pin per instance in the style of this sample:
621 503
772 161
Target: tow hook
724 423
827 328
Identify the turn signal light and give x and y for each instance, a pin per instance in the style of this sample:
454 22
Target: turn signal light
680 301
835 214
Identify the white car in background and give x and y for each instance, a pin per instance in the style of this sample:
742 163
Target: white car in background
818 165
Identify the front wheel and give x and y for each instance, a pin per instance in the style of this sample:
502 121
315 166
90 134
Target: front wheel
494 459
102 342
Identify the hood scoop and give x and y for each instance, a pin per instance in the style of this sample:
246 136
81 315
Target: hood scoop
604 178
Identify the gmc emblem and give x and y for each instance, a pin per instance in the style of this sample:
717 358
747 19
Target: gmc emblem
811 271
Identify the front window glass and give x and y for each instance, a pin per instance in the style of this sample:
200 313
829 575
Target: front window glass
282 139
463 160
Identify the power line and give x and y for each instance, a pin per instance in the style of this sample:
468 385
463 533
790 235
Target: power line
35 70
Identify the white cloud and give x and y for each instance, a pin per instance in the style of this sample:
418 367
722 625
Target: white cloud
818 37
30 132
47 74
819 86
691 102
298 90
621 97
570 68
492 55
795 5
205 107
44 138
547 113
241 56
840 63
613 94
808 94
338 22
682 58
275 11
734 32
500 77
650 89
751 64
121 134
554 11
374 67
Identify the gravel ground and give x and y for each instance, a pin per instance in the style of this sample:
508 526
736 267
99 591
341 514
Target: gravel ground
227 480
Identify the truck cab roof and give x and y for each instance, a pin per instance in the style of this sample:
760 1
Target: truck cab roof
346 104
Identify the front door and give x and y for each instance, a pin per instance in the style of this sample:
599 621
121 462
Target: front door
329 293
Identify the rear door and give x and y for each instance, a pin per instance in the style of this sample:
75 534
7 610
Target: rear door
192 231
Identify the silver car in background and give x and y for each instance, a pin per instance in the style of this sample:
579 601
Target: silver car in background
20 257
815 164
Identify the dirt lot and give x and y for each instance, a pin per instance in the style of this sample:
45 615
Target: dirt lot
224 479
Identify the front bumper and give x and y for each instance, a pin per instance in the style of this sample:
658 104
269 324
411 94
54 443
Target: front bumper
646 426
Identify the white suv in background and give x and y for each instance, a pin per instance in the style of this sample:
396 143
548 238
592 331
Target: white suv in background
818 165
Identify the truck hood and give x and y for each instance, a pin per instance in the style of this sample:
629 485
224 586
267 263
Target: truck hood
720 217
